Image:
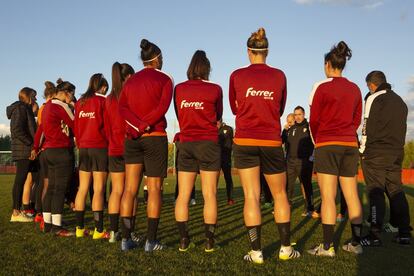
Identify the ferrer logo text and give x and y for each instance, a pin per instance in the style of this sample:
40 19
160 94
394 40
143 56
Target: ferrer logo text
267 95
90 115
195 105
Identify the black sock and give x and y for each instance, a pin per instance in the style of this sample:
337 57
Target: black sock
152 229
98 218
133 219
183 229
114 221
328 234
48 227
254 234
126 227
284 233
356 233
80 219
26 207
209 230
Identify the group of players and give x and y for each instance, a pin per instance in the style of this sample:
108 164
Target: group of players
124 133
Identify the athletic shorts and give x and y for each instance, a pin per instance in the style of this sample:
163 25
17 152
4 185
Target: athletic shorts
337 160
43 164
270 159
93 160
199 155
116 164
151 151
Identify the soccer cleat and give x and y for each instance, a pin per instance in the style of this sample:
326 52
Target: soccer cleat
114 236
29 213
340 218
139 240
153 246
185 245
210 246
316 215
82 232
389 228
320 251
64 233
306 214
21 217
127 244
42 226
193 202
402 239
230 202
100 235
356 249
254 256
370 240
287 253
38 218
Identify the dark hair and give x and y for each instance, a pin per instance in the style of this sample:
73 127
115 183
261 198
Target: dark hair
258 41
96 82
199 67
338 55
119 75
64 86
26 93
376 77
50 89
149 51
301 108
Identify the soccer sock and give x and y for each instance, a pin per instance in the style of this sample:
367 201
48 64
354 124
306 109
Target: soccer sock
26 207
328 234
356 233
152 229
284 232
47 217
98 218
80 216
133 219
183 229
126 227
114 221
254 234
209 230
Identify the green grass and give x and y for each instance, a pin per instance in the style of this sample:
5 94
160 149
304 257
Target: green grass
25 250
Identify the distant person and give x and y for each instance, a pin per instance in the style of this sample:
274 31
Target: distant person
299 149
290 121
92 143
335 115
145 99
22 128
382 149
199 106
226 145
55 127
257 97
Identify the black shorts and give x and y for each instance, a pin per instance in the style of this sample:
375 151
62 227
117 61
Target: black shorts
270 159
116 164
199 155
43 164
93 160
151 151
337 160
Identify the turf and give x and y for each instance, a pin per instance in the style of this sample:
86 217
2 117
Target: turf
25 250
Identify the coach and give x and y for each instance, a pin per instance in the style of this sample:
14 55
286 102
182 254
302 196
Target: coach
382 149
299 148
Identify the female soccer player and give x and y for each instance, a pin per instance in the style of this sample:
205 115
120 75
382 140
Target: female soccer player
198 106
93 154
257 97
22 128
55 127
335 114
115 129
145 99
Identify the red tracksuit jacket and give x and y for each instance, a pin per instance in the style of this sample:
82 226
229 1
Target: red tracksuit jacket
115 127
89 122
198 106
257 95
335 112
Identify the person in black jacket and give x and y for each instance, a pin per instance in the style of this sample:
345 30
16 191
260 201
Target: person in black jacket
226 144
22 128
382 149
299 149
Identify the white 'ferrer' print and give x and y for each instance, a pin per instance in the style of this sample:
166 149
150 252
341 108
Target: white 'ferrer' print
267 95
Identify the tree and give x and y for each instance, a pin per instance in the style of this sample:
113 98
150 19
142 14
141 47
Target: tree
408 162
5 143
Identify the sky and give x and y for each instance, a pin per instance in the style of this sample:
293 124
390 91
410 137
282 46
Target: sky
45 40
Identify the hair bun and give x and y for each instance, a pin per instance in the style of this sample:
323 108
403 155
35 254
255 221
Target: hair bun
49 84
59 81
343 50
261 33
145 44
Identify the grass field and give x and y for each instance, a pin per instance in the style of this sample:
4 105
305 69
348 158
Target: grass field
25 250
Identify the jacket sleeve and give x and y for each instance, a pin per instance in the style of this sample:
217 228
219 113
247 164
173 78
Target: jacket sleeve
31 122
38 138
175 103
19 125
162 108
314 116
232 96
358 113
284 97
133 123
219 104
67 116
